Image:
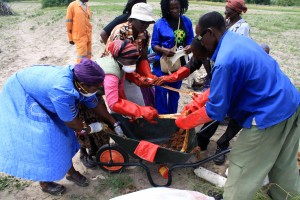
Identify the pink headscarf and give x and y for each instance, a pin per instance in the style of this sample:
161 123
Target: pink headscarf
237 5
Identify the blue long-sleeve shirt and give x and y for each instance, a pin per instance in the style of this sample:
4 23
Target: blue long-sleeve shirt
248 85
55 91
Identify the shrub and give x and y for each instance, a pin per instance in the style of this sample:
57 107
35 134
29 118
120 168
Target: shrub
52 3
262 2
286 2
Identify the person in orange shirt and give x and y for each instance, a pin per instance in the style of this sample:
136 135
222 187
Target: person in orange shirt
79 28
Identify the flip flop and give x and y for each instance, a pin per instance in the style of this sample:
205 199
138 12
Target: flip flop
78 179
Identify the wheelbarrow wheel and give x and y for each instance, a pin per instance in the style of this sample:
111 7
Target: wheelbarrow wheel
111 154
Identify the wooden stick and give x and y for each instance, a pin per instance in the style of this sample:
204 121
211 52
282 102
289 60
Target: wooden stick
185 142
177 90
169 116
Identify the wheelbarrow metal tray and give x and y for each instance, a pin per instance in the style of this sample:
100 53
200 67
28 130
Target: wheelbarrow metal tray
159 133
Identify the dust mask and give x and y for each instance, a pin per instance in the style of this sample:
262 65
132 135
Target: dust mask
88 94
129 68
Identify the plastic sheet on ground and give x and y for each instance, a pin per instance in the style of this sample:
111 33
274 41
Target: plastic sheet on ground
162 193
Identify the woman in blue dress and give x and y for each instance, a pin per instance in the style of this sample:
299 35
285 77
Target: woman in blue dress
172 29
39 118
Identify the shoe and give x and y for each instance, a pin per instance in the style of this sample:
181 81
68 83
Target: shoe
220 160
78 179
87 161
52 188
269 194
215 195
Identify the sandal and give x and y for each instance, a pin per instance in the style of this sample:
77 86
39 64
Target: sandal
52 188
78 179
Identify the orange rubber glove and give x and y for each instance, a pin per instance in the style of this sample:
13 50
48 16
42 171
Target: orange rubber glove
199 100
144 69
194 119
134 111
180 74
139 80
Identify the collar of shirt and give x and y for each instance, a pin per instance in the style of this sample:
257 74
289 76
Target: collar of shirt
83 5
214 56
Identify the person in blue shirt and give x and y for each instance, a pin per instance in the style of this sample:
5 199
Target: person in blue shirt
173 28
248 85
39 118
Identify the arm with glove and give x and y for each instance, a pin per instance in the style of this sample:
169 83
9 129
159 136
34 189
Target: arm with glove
143 76
194 114
139 80
180 74
183 72
134 111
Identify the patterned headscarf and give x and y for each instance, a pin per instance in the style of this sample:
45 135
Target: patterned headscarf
89 72
237 5
123 49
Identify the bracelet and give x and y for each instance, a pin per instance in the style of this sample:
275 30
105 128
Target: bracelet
84 129
117 124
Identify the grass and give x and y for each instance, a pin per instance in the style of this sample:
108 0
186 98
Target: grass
81 197
11 183
118 184
269 24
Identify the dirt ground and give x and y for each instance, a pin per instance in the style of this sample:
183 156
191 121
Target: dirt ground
29 40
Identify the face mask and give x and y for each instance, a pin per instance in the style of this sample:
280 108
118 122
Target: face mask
129 68
88 94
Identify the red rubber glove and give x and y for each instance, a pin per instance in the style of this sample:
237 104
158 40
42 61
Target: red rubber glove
180 74
134 111
199 100
194 119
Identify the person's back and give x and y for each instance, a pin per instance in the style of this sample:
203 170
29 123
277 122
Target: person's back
247 69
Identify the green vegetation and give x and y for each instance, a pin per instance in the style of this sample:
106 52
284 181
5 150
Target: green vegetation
81 197
11 183
117 183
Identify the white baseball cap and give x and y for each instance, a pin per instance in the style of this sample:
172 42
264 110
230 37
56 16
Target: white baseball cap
142 12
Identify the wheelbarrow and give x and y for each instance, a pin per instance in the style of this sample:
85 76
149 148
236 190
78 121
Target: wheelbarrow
114 158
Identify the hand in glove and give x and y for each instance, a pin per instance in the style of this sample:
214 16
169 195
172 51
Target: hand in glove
118 130
193 119
149 113
139 80
180 74
134 111
96 127
199 100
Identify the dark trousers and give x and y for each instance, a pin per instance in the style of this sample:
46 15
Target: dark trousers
207 131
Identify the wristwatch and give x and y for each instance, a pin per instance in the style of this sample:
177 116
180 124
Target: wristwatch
117 124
